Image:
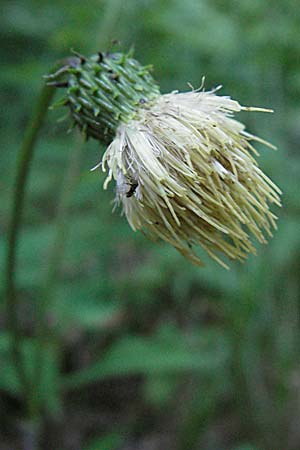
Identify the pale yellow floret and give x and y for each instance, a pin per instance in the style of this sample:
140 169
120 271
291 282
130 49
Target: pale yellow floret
195 179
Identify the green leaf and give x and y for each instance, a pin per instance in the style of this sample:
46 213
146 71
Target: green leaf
169 351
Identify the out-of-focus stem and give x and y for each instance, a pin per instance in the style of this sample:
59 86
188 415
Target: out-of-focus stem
12 303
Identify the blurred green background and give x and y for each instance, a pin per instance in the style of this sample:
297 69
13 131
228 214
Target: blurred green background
138 349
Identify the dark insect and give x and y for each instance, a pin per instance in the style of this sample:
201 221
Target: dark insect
132 189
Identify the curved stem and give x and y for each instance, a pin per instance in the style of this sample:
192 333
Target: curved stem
12 303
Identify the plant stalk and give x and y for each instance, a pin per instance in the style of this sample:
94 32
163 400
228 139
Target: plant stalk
12 301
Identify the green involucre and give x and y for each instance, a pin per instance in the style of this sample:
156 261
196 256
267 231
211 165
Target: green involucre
104 90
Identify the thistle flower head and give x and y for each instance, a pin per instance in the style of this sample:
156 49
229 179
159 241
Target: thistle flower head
184 168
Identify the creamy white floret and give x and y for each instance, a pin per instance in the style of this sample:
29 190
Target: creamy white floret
197 180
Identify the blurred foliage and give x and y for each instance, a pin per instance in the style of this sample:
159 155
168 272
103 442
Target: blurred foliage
197 358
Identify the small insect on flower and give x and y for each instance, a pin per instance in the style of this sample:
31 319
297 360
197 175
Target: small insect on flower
132 189
184 168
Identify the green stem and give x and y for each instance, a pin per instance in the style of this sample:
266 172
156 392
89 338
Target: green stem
24 161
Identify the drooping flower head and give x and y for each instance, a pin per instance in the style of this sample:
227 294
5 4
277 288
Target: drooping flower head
184 168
